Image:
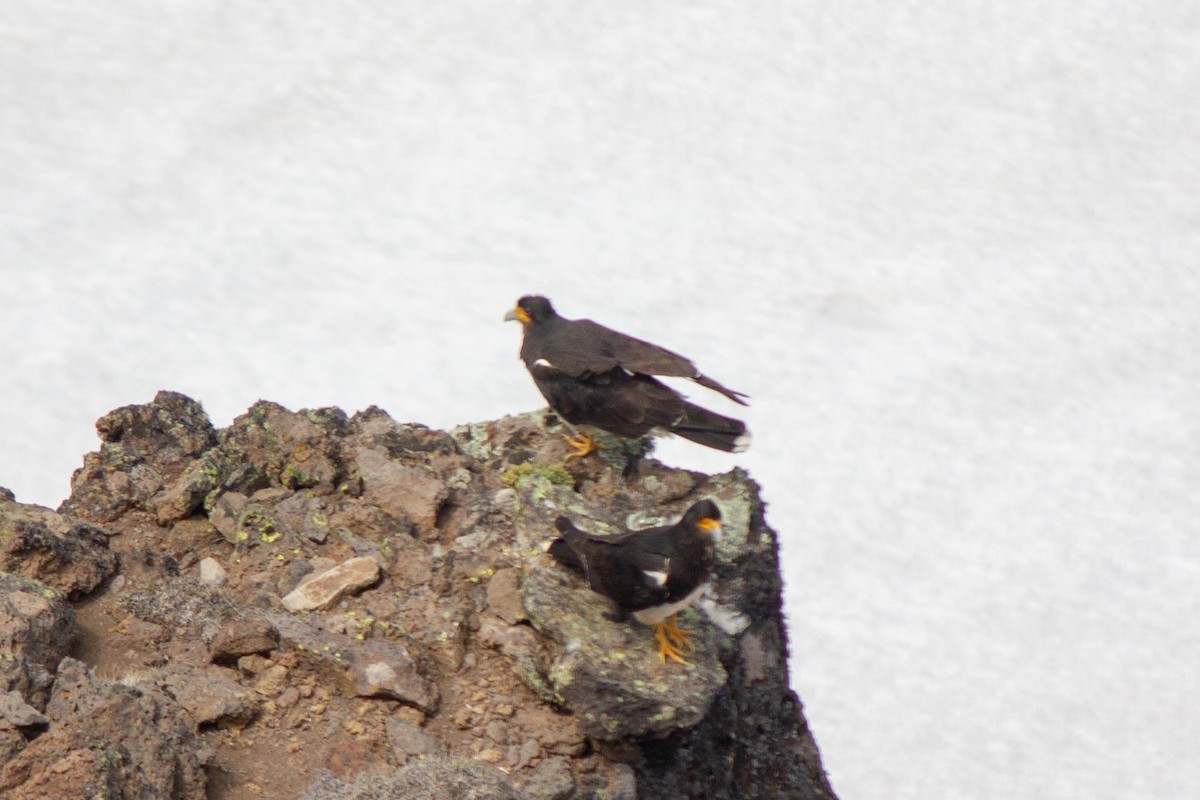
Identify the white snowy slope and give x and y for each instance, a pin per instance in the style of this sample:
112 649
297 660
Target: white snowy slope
950 249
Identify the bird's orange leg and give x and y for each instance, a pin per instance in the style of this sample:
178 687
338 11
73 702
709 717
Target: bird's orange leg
672 640
582 444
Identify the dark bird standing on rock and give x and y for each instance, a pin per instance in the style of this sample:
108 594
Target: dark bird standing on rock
593 375
650 574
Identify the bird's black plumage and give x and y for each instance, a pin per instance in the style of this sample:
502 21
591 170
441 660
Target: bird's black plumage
593 375
650 574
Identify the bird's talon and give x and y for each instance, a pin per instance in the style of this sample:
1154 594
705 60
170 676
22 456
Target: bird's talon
583 445
680 638
667 649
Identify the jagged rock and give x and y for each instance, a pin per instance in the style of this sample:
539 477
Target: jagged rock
385 669
323 589
207 694
226 516
188 492
145 448
18 713
242 637
308 514
67 554
400 489
108 740
296 451
461 645
36 627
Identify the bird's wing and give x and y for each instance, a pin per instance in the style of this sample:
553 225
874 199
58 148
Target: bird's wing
619 567
582 348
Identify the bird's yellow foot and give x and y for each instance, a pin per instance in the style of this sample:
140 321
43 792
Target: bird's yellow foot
672 640
582 444
680 637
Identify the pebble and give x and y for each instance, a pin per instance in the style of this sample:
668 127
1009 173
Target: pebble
212 573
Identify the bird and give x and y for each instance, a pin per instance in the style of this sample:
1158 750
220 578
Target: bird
650 574
594 376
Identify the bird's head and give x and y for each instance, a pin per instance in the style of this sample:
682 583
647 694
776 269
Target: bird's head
530 309
706 516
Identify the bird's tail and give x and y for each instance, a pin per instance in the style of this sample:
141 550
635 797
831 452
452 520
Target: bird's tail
709 383
711 429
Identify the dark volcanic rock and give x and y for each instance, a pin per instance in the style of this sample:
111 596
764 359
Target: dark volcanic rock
106 740
461 661
36 626
724 726
145 448
61 552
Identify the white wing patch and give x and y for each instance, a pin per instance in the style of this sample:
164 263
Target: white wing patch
659 578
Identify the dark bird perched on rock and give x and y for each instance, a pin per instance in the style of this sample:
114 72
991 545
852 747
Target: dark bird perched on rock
592 375
650 574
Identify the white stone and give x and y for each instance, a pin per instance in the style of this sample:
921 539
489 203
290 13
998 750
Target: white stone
212 573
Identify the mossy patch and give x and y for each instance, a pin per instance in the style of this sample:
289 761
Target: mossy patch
522 475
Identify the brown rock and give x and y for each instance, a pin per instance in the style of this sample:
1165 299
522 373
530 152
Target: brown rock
243 637
225 515
18 713
400 489
36 628
385 669
61 552
504 596
108 740
187 493
207 694
527 659
272 680
146 447
323 589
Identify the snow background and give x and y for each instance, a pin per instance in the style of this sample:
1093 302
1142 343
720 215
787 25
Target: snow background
949 248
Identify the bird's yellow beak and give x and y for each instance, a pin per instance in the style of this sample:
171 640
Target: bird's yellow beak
709 524
517 313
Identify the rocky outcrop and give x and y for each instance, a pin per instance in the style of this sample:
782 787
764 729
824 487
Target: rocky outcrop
63 553
104 739
307 604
